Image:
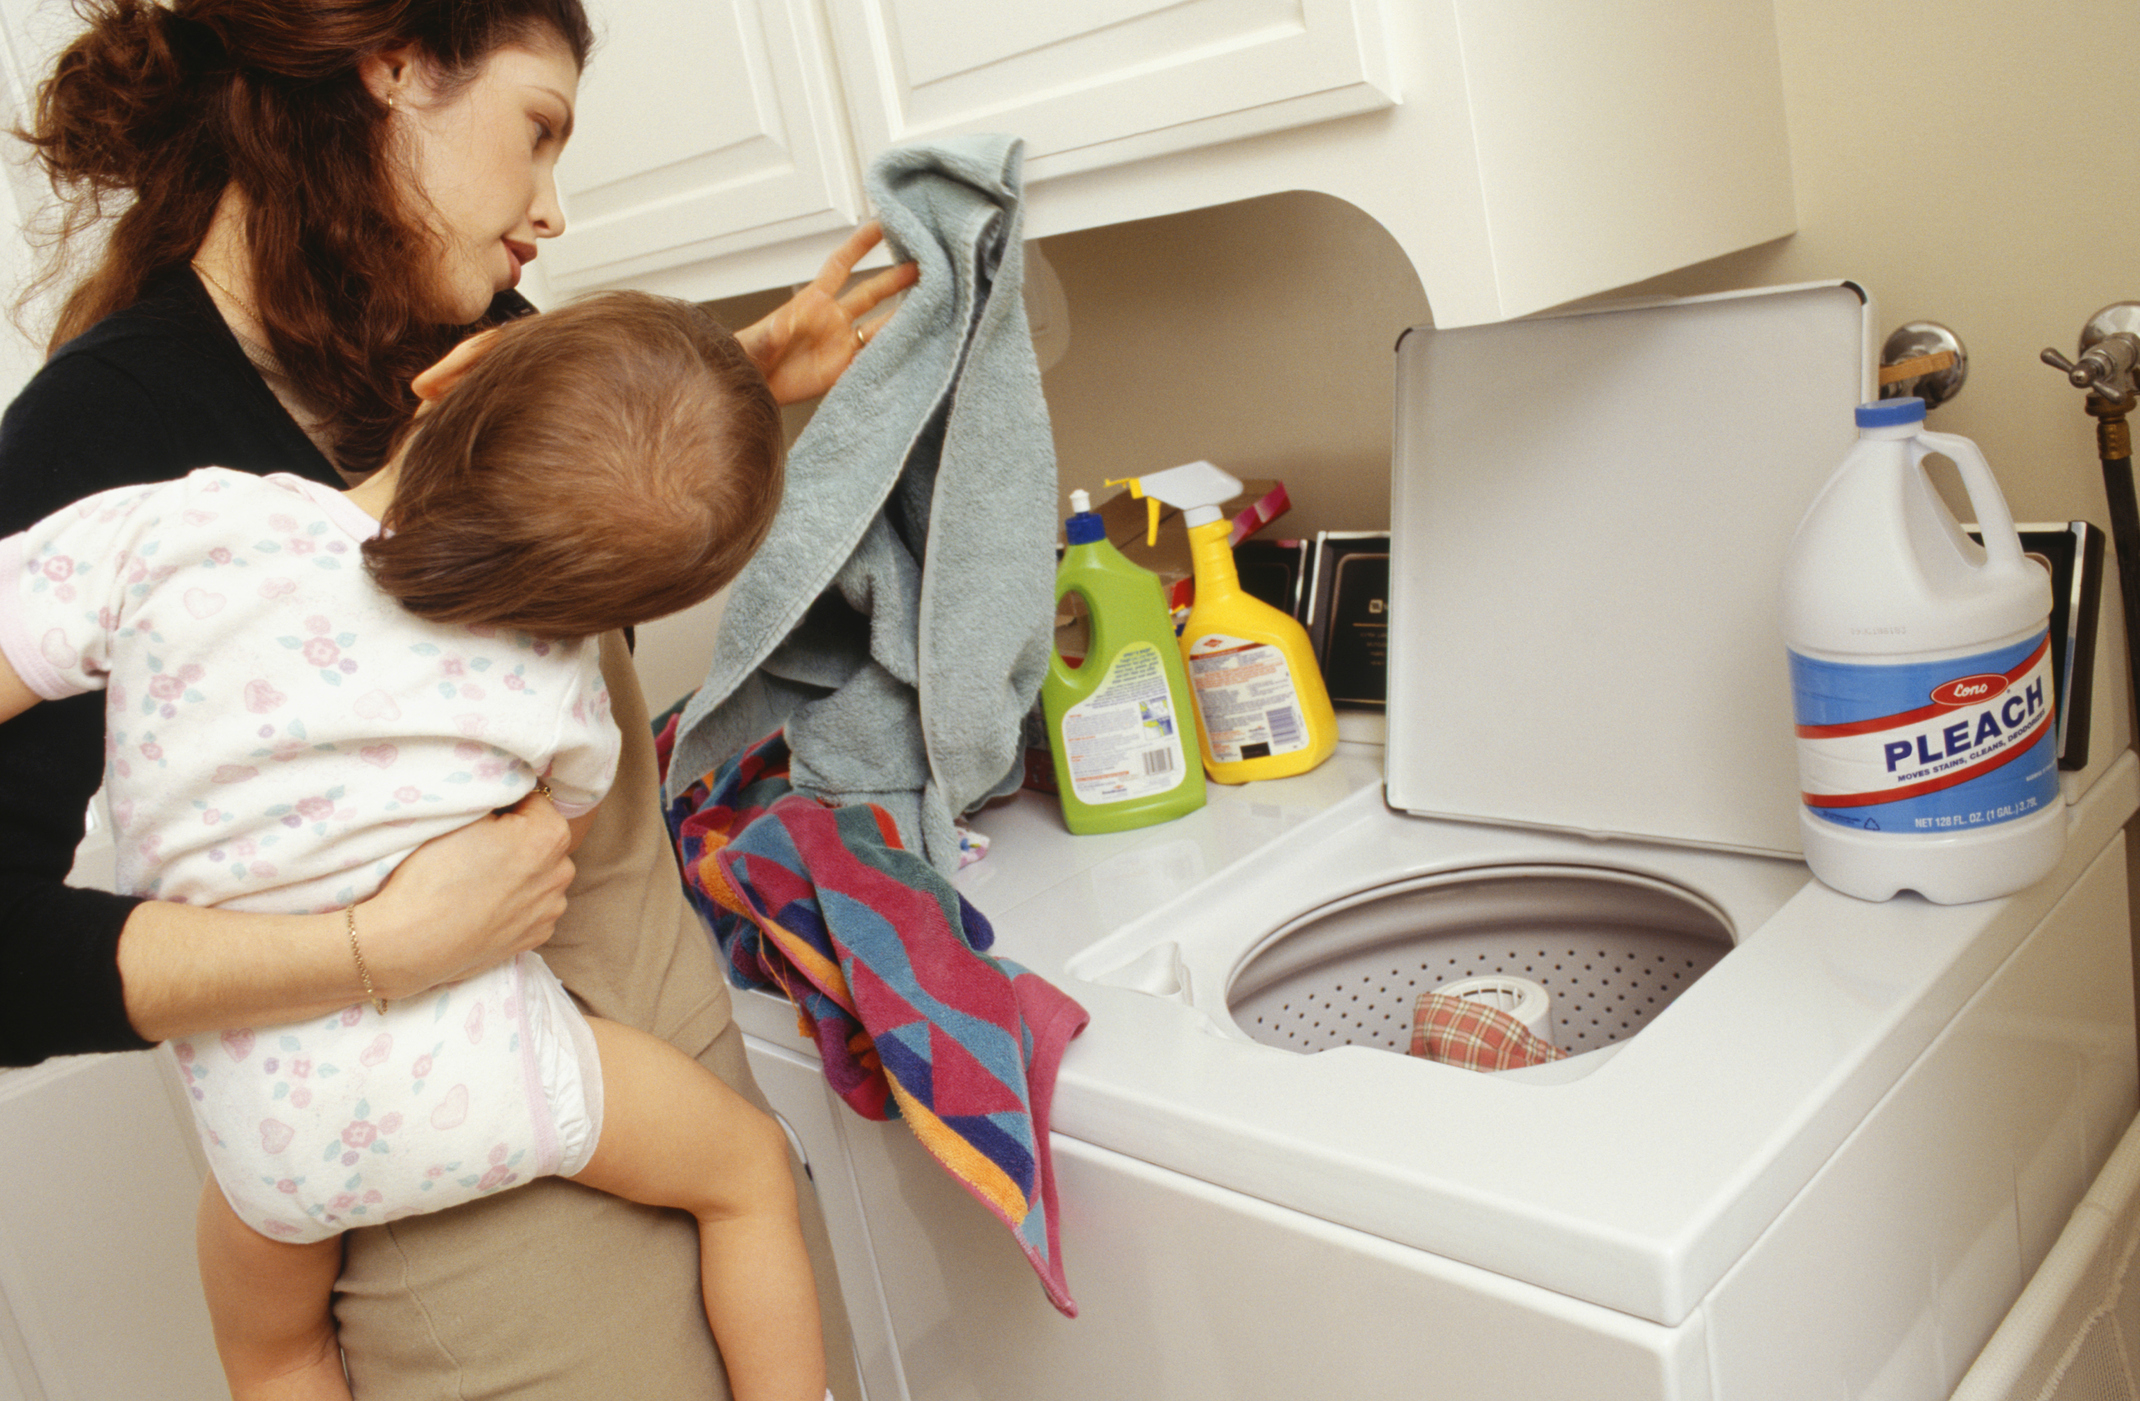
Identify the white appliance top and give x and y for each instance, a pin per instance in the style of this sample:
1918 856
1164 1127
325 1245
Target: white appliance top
1637 1186
1589 517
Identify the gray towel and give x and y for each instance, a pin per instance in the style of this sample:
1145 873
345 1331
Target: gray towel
898 619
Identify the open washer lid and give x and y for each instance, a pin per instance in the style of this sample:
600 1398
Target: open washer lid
1589 517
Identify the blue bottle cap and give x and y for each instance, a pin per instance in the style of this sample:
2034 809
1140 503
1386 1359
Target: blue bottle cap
1891 413
1084 528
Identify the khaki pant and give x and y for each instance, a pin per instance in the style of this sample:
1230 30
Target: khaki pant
552 1291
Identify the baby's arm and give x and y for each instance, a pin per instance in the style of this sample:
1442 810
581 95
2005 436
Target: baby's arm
584 765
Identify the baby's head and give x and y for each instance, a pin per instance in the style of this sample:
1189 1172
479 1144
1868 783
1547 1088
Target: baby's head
599 466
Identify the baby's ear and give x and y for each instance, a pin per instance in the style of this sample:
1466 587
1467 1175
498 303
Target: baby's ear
431 385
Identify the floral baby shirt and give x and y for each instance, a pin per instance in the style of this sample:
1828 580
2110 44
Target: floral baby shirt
280 733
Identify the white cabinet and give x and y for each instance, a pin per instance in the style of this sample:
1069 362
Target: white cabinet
1102 82
99 1295
713 128
100 1173
819 1123
1522 156
705 128
32 32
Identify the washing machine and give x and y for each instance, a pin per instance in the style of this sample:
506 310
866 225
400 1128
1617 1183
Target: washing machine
1802 1146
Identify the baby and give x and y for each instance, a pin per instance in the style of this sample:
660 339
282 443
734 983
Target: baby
303 685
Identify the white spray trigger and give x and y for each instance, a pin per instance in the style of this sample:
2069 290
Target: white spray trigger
1197 489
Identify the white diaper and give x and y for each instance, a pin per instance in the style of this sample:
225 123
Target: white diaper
359 1118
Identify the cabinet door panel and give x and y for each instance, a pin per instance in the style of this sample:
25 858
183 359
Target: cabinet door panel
794 1084
704 127
1103 82
98 1286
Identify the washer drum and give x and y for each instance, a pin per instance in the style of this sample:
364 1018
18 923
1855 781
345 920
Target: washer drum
1611 949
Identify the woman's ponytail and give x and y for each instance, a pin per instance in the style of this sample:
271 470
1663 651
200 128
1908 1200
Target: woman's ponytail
123 121
116 96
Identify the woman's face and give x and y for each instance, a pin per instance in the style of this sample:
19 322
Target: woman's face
483 160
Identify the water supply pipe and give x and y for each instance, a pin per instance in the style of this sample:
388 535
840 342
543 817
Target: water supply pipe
2109 353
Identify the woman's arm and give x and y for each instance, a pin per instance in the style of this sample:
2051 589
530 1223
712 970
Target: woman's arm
458 904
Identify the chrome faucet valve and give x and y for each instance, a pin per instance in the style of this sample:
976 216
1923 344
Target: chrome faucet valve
2109 354
1924 359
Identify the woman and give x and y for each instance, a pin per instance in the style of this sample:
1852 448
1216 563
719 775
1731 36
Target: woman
321 198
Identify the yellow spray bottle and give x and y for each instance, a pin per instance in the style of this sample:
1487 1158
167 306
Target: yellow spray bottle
1262 710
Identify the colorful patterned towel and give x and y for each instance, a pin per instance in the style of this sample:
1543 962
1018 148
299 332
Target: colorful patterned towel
883 961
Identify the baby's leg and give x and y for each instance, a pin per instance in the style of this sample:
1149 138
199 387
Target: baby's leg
673 1134
270 1304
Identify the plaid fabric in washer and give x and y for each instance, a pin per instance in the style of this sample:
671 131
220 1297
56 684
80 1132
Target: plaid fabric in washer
1474 1035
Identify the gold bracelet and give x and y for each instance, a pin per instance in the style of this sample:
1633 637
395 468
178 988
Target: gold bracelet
378 1002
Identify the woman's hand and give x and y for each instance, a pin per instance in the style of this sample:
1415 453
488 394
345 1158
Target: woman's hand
457 905
469 899
805 345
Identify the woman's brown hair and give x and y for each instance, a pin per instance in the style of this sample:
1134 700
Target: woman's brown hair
601 465
157 108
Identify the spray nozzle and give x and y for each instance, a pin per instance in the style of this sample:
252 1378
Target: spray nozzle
1197 489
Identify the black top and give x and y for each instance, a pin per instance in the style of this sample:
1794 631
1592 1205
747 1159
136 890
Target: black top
147 394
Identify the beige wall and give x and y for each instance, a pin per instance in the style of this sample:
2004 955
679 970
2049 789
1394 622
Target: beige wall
1255 335
1947 157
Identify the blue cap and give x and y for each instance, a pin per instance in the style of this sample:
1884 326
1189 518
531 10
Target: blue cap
1891 413
1084 528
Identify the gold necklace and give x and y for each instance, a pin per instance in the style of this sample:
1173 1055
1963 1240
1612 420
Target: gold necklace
259 323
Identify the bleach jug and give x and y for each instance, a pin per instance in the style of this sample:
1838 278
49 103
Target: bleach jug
1921 678
1116 720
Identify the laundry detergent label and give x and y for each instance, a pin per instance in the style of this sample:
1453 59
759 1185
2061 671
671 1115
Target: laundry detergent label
1124 741
1927 747
1245 691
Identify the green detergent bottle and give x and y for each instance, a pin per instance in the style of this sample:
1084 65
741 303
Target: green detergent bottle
1115 720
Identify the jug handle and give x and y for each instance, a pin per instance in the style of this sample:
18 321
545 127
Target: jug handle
2002 547
1061 670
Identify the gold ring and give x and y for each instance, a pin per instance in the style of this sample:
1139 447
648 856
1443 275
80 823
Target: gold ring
860 341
